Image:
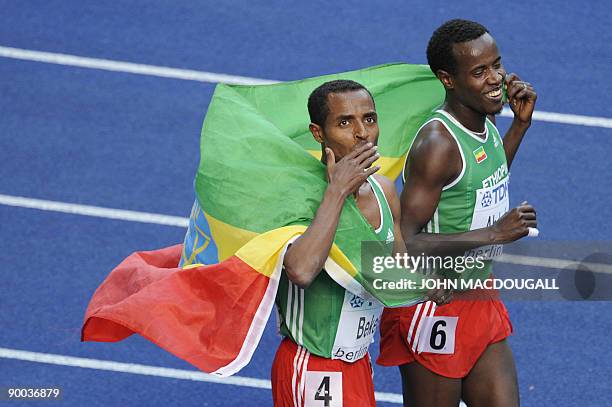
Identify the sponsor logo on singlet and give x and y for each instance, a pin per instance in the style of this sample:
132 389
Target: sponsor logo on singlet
493 196
497 176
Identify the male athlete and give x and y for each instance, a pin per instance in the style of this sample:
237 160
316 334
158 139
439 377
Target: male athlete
323 359
455 199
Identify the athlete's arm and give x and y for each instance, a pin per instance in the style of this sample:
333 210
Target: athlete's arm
439 295
433 162
522 98
306 256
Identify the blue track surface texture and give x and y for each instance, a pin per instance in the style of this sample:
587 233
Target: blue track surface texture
128 141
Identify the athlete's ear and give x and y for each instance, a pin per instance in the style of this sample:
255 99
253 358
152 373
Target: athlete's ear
317 132
446 79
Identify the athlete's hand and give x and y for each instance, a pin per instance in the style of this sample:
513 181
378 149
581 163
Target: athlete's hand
439 295
515 224
351 170
522 98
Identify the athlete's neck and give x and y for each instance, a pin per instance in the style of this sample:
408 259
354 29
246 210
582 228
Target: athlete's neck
468 117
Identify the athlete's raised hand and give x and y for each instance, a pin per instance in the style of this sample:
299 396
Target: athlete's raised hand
305 258
351 170
515 224
521 97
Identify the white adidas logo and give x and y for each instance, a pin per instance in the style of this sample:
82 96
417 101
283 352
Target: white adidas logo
390 237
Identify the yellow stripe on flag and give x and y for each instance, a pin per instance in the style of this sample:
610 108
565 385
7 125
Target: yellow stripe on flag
228 238
262 252
340 258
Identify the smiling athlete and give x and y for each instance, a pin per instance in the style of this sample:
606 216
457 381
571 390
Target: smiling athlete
455 199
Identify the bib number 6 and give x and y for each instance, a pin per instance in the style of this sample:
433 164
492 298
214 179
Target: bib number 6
438 335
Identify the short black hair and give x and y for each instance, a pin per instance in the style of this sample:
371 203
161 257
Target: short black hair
440 47
317 101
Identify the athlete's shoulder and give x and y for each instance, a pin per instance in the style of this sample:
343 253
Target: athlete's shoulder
433 141
435 155
386 184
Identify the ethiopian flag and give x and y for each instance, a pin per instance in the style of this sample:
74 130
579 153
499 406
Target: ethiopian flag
479 154
258 186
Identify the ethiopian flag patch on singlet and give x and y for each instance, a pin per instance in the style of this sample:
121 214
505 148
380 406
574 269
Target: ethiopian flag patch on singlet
480 154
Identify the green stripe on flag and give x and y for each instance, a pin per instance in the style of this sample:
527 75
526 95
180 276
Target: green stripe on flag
255 173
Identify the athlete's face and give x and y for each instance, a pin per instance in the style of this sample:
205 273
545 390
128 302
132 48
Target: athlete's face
478 80
351 122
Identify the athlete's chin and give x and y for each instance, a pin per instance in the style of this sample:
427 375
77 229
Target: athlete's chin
498 111
493 109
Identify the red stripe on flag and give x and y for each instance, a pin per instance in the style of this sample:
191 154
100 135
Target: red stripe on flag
481 155
201 315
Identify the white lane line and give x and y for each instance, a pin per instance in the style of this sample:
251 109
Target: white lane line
95 211
157 371
128 67
547 262
564 118
210 77
158 219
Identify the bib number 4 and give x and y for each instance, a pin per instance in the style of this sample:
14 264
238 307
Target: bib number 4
323 389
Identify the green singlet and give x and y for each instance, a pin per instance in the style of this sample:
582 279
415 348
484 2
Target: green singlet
325 318
478 197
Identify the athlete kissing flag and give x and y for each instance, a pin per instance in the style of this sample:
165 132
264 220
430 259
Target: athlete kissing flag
258 186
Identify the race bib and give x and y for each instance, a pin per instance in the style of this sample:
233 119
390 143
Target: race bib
491 204
437 335
323 389
358 323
